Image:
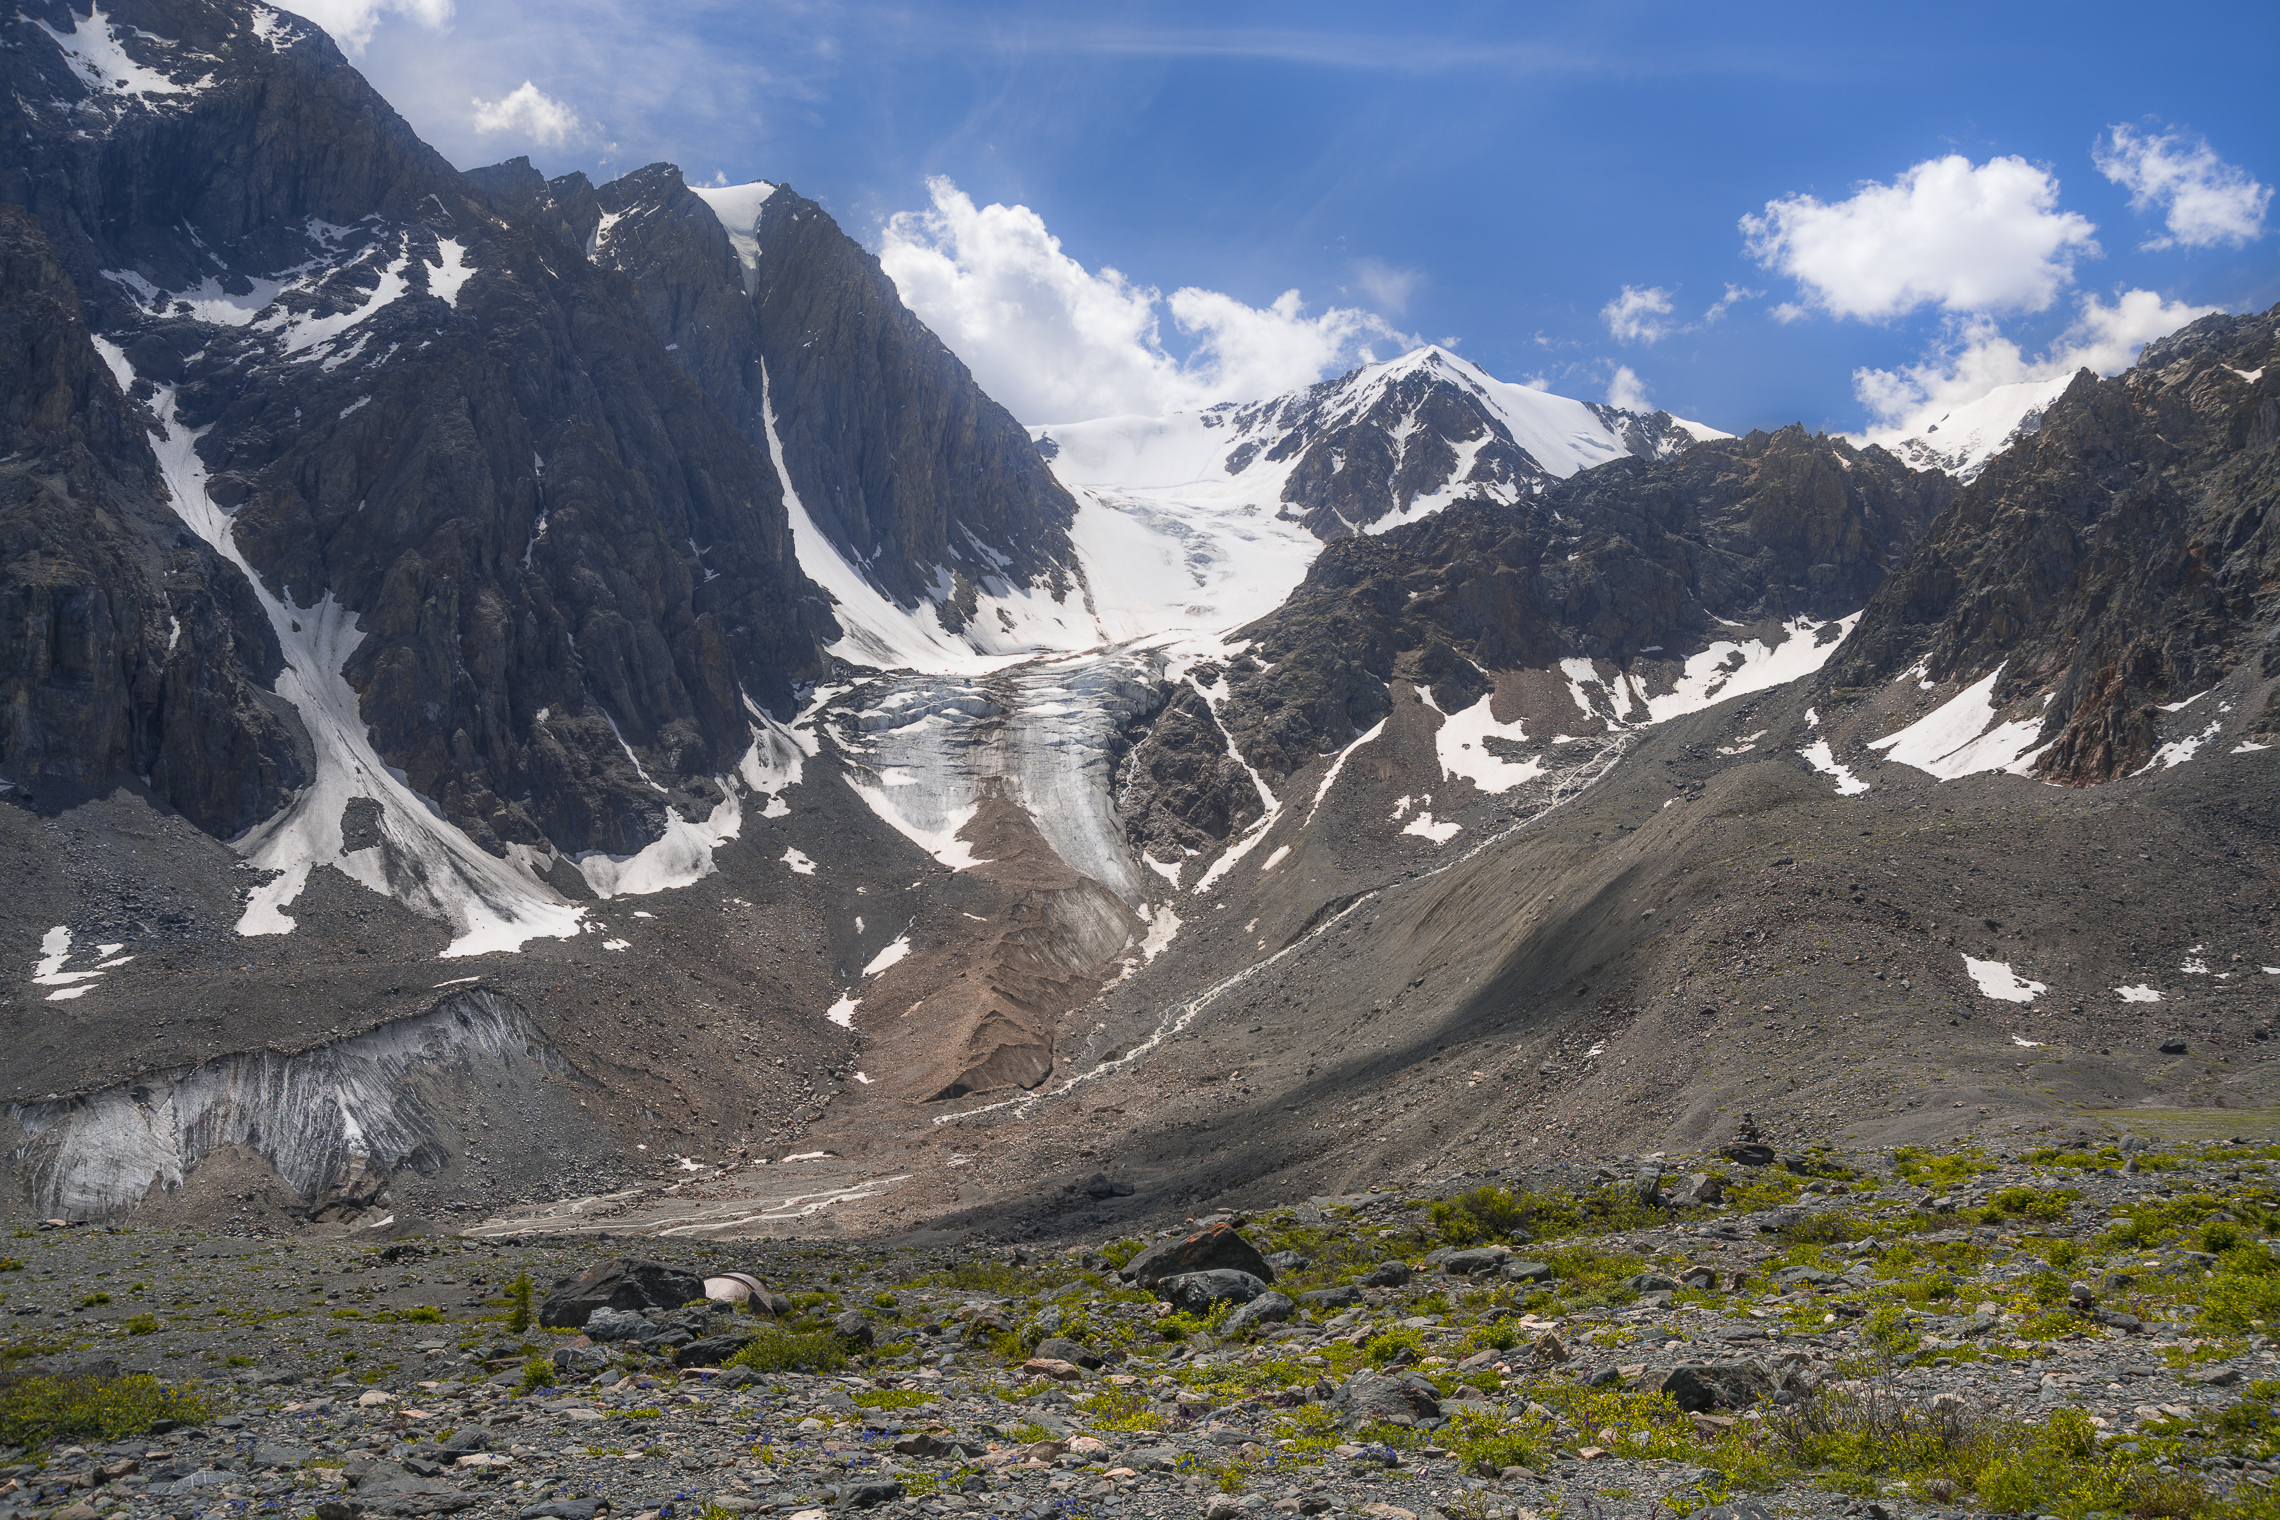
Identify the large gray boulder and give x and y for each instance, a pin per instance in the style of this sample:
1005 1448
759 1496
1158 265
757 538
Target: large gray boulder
1375 1397
621 1283
1200 1292
1207 1250
1730 1383
1266 1308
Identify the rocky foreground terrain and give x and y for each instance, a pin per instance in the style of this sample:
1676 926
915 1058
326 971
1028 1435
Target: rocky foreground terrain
2071 1328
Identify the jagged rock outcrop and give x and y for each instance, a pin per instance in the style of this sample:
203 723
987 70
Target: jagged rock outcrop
127 646
565 572
1199 794
2122 557
896 453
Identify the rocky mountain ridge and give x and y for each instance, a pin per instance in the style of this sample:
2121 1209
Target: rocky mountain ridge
1621 576
798 336
2109 569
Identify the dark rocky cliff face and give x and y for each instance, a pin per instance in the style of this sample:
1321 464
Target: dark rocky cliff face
2124 556
898 456
423 410
1637 562
129 647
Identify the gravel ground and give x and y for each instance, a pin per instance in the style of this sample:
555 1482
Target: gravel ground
1544 1376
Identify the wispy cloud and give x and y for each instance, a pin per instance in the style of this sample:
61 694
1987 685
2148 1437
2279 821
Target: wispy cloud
1386 284
352 22
1733 297
1639 314
2207 200
1628 391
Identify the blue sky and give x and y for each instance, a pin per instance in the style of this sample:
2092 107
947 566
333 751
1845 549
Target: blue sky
1494 176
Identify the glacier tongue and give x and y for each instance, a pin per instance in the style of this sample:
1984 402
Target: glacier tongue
926 751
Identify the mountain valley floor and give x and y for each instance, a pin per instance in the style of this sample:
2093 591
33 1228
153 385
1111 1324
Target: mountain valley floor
2063 1327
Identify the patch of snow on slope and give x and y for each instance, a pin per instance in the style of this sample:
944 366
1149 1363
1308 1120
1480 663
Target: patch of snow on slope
1955 739
1726 668
798 861
1265 822
55 950
2138 994
893 953
96 55
1423 825
1462 744
1330 777
451 273
738 207
207 300
1818 755
1997 980
940 841
1733 668
778 757
841 1013
679 857
304 331
2177 751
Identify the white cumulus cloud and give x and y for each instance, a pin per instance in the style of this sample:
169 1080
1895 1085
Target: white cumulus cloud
528 112
1628 391
1976 360
1056 342
1639 314
352 22
2208 201
1945 233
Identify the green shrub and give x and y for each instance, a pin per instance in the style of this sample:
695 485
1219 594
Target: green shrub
94 1300
1387 1345
777 1349
2245 1293
2035 1203
425 1314
1930 1171
1485 1213
35 1410
143 1324
537 1373
2220 1236
519 1295
10 1264
1487 1445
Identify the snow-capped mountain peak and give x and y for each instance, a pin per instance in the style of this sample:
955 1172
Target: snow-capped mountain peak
1381 444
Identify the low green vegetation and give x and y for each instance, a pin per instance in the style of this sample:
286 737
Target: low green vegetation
39 1409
